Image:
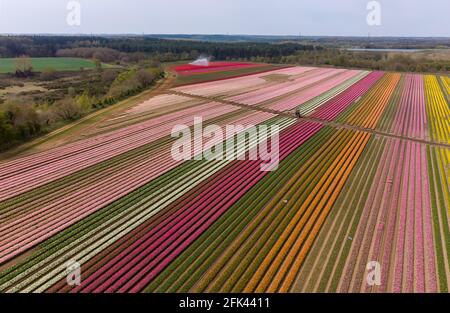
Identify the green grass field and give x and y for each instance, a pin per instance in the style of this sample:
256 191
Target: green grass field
58 64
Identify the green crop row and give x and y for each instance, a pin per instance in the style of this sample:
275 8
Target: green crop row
187 269
388 116
437 200
272 228
90 223
253 199
99 219
340 217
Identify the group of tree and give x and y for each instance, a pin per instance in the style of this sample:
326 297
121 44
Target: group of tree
105 55
137 49
401 62
130 83
21 120
110 49
219 46
23 67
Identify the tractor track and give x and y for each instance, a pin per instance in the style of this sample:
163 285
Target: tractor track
334 124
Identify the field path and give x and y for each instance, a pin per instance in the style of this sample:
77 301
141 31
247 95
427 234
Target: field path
334 124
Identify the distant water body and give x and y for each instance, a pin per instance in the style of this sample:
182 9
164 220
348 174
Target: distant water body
384 50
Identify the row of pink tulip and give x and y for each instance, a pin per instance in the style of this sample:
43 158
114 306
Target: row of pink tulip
40 220
312 91
277 90
395 228
410 119
140 262
239 85
47 167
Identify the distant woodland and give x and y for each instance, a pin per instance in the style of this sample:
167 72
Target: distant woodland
311 51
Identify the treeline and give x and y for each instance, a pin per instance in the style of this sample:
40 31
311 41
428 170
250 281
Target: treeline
138 49
400 62
326 41
165 50
108 55
21 120
221 47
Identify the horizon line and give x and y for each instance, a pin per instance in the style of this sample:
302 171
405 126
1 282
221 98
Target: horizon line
218 34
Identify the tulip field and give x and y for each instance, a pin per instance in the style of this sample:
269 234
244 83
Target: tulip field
190 69
193 73
363 177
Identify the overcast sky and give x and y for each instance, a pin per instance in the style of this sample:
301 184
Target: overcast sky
256 17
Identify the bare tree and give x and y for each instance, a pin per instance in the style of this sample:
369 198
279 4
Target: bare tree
144 77
67 109
23 66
